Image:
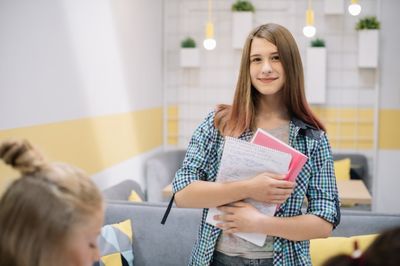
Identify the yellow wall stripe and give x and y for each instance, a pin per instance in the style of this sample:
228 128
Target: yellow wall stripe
97 143
348 128
173 125
389 130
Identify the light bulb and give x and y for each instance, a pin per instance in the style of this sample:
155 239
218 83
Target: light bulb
209 44
354 9
309 31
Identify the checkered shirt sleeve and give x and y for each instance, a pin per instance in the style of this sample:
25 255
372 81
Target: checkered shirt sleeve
322 192
201 160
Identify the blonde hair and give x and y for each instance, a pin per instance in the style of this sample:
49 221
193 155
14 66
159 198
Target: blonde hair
41 208
233 120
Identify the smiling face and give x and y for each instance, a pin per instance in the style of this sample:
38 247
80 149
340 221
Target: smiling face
266 70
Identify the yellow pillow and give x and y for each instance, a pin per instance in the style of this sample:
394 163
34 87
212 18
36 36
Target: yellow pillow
115 244
342 169
325 248
134 196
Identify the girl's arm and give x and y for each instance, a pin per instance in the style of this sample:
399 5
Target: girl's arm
265 187
242 217
205 194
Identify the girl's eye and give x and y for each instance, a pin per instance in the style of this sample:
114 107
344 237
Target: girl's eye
275 58
256 59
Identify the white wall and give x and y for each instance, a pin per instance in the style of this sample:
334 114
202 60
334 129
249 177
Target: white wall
63 60
388 177
68 59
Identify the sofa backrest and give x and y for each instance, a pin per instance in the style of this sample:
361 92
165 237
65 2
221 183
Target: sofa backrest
153 243
359 166
122 190
160 171
365 222
171 244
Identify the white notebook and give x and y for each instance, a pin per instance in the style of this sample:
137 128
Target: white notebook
241 160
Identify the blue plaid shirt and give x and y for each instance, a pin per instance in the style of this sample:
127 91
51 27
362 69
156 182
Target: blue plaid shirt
316 181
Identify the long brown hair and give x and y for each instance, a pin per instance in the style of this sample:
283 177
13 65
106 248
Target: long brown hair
233 120
41 208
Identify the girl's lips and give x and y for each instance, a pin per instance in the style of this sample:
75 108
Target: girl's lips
267 80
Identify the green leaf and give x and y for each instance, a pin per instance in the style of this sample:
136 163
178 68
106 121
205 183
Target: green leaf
242 6
318 43
368 23
188 43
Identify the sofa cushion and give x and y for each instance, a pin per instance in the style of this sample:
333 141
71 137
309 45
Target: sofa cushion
359 166
342 169
323 249
134 197
115 244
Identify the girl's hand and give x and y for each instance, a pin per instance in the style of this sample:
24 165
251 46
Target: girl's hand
270 188
239 217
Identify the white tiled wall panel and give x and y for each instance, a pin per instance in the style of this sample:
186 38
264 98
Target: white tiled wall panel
197 91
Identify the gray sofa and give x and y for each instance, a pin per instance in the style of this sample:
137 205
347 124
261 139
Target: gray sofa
171 244
122 190
160 170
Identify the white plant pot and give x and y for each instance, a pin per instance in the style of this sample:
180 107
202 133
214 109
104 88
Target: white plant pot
368 48
189 57
242 24
334 7
316 75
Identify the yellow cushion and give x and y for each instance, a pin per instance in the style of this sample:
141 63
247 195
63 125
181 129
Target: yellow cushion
342 169
134 197
115 244
323 249
112 259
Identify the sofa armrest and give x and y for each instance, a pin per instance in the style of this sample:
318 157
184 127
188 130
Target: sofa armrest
122 190
160 171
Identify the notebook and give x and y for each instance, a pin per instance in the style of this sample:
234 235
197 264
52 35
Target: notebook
263 138
241 160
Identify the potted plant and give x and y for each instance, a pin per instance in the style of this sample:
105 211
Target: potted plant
189 55
316 72
242 22
368 42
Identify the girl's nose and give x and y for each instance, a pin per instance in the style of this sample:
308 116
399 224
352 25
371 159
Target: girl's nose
266 68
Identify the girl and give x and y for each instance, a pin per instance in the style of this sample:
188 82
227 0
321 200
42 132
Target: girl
269 95
49 216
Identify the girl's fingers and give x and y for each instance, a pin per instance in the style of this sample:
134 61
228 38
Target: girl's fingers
224 217
230 231
239 204
226 226
284 184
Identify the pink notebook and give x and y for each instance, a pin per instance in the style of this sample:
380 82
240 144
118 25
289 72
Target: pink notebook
263 138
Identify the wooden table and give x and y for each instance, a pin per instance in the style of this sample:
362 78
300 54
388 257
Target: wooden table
351 192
